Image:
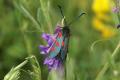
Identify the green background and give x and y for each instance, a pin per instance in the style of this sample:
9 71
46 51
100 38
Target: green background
20 37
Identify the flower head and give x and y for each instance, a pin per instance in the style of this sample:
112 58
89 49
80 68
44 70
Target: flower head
115 9
101 6
52 63
105 30
101 17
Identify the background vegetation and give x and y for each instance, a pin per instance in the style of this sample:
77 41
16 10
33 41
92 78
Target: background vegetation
94 44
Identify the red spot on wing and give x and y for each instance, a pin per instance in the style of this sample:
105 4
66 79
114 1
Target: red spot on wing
53 48
57 43
60 34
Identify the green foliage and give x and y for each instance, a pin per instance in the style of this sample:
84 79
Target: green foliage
14 73
22 22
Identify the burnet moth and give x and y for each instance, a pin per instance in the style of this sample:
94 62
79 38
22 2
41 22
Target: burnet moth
57 48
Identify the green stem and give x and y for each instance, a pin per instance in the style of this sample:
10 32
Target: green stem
106 66
44 9
29 51
20 65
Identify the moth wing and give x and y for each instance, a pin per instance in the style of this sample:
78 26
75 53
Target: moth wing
56 46
64 49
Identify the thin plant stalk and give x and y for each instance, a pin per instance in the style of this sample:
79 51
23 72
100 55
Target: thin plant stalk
44 9
29 51
106 66
58 74
14 73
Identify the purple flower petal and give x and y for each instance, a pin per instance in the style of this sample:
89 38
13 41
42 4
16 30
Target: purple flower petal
58 29
49 38
52 63
43 49
56 63
48 61
115 10
50 41
46 36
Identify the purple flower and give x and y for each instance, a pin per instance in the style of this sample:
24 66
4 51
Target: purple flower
50 39
52 63
115 9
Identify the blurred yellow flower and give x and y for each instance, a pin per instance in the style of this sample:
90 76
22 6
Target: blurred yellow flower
101 5
101 8
103 16
106 31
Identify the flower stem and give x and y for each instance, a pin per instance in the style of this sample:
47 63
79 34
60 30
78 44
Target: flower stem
27 41
106 66
45 10
57 74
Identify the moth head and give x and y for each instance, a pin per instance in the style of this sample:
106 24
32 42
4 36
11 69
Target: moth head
63 22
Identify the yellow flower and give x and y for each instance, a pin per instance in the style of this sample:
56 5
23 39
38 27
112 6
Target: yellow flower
101 8
103 16
101 5
106 30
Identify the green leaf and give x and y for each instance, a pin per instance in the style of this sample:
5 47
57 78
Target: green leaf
14 73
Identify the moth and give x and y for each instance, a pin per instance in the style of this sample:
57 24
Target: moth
59 48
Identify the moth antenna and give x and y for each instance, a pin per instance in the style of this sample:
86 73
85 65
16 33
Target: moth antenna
61 11
76 18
